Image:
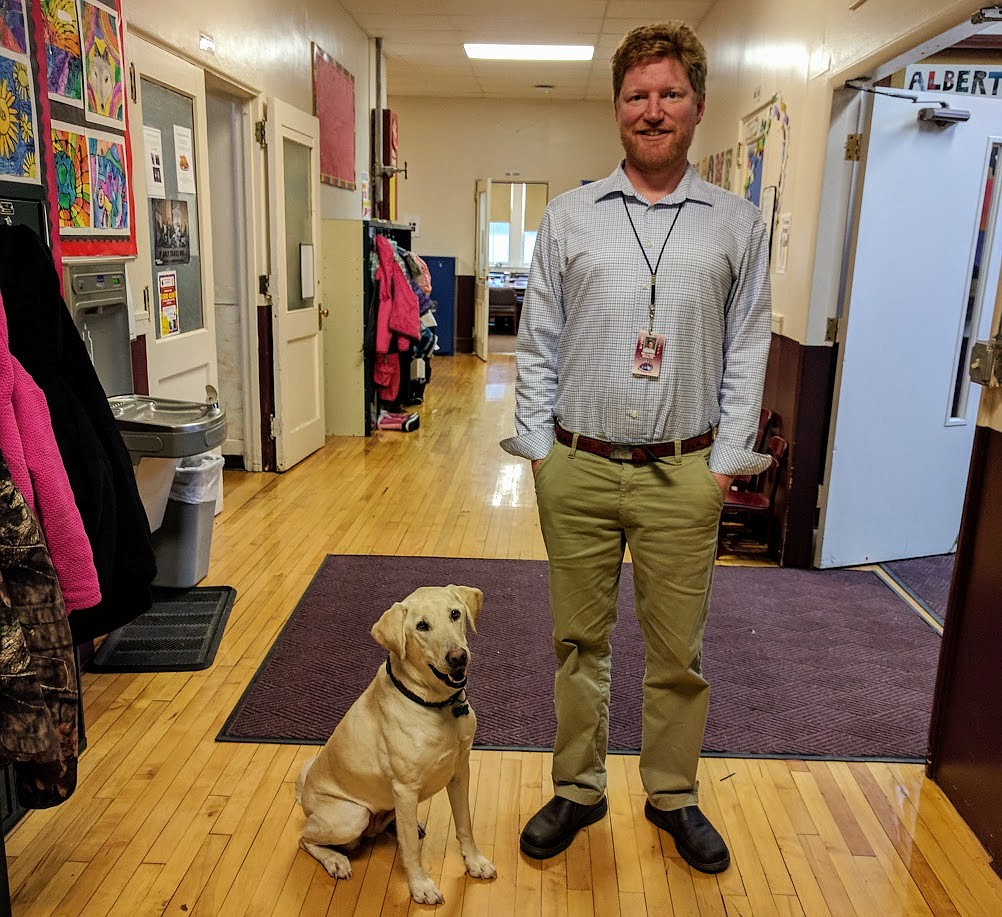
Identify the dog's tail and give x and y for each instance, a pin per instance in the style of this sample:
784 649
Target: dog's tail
301 779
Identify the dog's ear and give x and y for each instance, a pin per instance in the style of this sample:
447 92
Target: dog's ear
389 631
473 599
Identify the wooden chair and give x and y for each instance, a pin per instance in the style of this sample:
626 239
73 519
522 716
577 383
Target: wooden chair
746 510
748 481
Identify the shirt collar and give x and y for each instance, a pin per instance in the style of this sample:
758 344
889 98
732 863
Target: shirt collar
690 188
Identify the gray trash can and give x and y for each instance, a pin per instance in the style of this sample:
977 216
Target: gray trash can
178 480
184 540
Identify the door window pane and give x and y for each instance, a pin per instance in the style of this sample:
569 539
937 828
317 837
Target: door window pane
298 223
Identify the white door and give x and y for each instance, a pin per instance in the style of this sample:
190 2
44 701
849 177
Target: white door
294 205
481 303
172 274
904 413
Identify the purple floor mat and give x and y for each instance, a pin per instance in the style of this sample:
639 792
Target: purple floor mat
801 663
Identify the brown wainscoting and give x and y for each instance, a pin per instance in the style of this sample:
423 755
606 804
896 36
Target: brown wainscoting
465 307
266 383
140 371
965 736
798 389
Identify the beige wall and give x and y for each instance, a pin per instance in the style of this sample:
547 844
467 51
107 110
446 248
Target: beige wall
266 49
803 50
450 143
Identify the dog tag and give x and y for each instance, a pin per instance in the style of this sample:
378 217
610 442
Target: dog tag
460 710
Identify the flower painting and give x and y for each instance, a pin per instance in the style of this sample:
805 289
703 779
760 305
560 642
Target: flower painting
64 64
18 146
72 174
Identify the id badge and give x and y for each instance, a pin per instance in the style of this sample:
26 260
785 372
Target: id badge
647 355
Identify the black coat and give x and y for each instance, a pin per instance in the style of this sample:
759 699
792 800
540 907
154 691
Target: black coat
48 345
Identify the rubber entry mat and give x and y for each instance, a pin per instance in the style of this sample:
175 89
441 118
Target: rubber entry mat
180 633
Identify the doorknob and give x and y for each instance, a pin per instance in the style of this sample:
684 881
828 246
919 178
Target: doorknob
323 313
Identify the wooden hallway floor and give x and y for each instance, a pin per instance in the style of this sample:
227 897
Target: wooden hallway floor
165 820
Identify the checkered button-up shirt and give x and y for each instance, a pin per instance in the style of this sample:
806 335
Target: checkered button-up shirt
589 295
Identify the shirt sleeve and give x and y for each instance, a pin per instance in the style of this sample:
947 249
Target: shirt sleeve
539 331
747 334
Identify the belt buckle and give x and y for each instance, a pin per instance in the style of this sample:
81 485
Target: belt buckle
620 452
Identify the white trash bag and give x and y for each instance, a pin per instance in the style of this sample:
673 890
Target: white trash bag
198 479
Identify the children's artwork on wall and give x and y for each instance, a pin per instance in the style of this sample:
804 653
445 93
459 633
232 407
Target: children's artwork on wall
72 176
13 33
334 106
18 127
64 64
110 192
754 140
102 54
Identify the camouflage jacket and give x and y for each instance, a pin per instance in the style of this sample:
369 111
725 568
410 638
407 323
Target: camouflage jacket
38 683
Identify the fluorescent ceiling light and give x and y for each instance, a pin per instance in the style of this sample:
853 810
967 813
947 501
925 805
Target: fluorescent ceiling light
529 52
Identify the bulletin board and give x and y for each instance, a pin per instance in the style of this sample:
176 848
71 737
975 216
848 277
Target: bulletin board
334 106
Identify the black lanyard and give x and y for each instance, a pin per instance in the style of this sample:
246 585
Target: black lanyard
653 270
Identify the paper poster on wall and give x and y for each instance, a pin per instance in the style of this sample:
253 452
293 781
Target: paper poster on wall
154 147
783 242
72 176
102 54
366 195
109 184
63 59
171 238
13 34
18 144
767 205
167 303
184 160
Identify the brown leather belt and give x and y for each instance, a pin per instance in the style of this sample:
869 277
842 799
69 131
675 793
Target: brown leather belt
623 452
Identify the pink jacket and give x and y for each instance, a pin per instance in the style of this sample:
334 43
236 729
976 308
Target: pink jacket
36 467
398 321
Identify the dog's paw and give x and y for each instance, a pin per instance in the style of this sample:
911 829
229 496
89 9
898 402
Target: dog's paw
424 891
337 865
480 867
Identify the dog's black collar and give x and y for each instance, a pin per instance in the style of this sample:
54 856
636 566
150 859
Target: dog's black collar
458 709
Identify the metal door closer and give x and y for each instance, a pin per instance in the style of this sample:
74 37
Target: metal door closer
157 431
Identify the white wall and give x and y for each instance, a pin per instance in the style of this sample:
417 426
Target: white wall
266 48
450 143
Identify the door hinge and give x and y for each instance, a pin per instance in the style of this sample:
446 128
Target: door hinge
132 82
261 133
276 427
264 284
853 147
831 331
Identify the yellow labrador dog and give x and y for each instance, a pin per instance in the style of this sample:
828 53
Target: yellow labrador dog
407 736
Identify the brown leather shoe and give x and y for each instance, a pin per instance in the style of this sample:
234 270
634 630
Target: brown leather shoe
554 826
697 841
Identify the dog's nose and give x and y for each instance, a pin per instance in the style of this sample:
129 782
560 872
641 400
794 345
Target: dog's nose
456 658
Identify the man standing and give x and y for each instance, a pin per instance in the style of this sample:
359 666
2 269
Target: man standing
641 357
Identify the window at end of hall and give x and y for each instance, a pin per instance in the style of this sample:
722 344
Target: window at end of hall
516 210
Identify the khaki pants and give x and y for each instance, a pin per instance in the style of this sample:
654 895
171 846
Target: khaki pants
590 508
